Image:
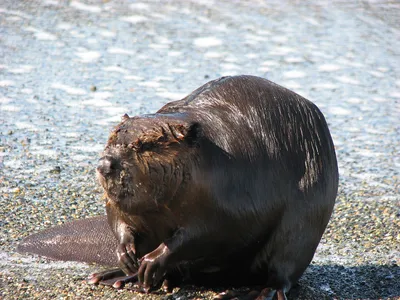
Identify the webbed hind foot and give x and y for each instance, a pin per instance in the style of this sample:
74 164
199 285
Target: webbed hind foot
115 278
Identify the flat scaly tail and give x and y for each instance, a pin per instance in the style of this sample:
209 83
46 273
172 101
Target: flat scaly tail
88 240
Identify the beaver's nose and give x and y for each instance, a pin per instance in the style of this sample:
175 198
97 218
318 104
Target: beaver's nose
107 165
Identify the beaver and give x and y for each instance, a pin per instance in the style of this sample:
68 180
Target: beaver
235 183
239 175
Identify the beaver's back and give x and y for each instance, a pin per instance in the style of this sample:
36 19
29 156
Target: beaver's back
272 119
264 127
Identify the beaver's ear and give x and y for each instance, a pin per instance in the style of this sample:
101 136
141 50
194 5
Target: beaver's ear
188 132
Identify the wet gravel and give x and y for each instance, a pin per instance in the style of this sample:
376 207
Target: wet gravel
70 69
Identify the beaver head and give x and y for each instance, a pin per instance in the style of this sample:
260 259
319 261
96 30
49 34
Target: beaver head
145 161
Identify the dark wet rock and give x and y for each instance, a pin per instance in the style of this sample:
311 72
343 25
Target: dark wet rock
56 170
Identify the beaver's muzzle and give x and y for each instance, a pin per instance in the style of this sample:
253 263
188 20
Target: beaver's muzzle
107 165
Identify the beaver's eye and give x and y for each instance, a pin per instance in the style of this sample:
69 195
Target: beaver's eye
147 146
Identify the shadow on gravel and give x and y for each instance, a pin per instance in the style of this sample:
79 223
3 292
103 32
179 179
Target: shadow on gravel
331 282
339 282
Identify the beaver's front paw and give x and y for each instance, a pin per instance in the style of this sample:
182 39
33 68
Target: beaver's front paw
127 259
153 267
119 277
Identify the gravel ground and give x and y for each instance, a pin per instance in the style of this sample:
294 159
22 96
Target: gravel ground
69 70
